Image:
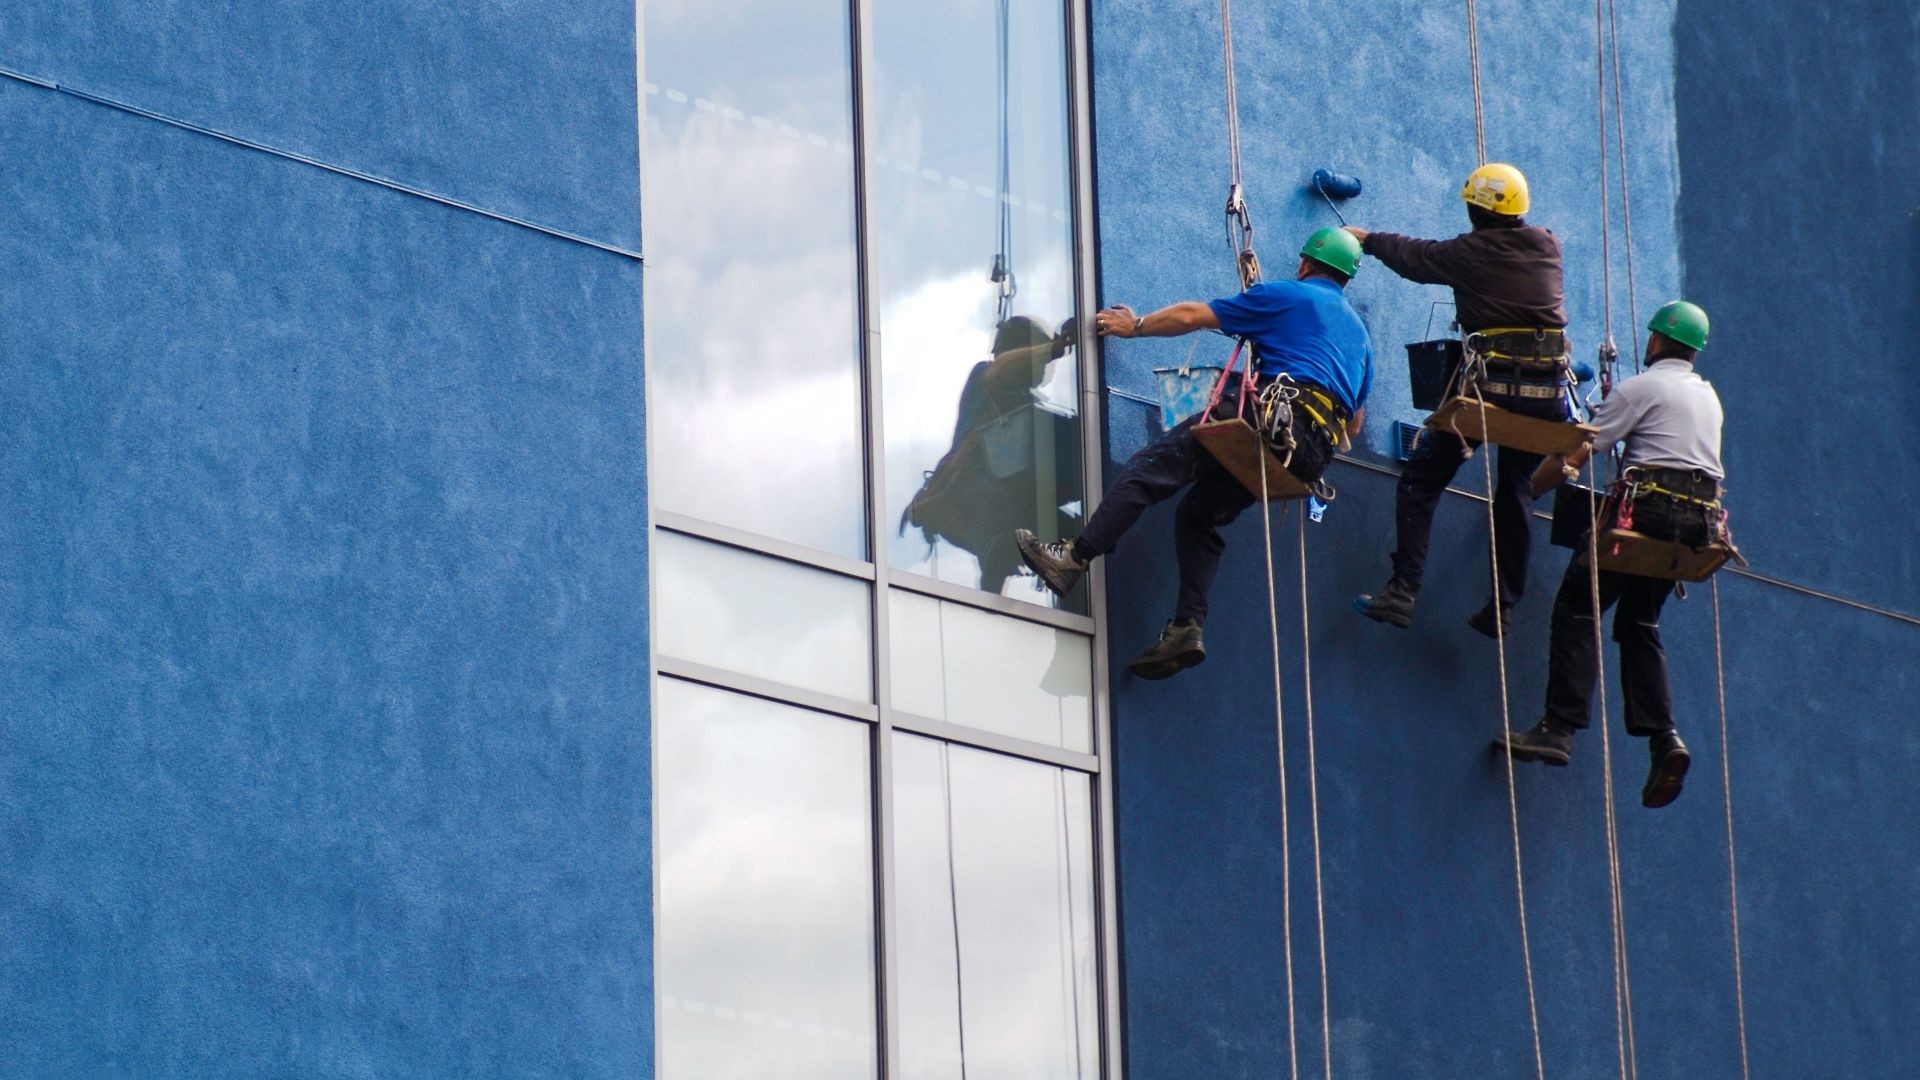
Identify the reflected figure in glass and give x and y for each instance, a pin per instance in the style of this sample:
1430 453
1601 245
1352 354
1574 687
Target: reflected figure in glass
1015 458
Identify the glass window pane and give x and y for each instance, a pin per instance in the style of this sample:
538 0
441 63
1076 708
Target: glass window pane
763 616
993 672
748 225
766 958
970 173
993 859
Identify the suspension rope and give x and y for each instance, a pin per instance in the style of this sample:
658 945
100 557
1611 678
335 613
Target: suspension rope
1239 220
1473 61
1617 918
1280 736
1726 791
1002 272
1313 798
1513 793
1607 347
1626 187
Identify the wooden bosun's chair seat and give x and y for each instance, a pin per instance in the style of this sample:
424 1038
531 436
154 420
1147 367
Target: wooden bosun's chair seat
1480 422
1237 447
1624 551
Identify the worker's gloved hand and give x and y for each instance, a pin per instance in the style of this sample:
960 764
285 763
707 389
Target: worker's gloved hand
1116 321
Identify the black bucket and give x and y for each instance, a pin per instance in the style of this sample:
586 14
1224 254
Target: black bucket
1430 367
1573 509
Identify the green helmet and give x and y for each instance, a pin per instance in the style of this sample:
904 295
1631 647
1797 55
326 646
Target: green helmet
1681 321
1335 248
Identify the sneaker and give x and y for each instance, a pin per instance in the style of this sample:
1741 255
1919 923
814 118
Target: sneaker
1054 562
1543 742
1392 605
1482 621
1667 772
1179 648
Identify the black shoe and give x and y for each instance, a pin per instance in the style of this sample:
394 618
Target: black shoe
1542 742
1054 563
1178 649
1393 605
1667 772
1482 621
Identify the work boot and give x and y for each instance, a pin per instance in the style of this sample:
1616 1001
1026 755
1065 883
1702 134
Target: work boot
1482 621
1545 741
1667 772
1392 605
1054 562
1178 649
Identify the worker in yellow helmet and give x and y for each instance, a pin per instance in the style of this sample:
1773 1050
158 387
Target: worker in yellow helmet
1510 303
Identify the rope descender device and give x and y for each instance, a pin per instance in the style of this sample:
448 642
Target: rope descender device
1240 236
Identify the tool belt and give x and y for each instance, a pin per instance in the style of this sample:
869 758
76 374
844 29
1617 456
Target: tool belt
1521 349
1686 486
1672 504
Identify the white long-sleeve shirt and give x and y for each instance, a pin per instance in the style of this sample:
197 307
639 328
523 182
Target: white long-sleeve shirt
1668 416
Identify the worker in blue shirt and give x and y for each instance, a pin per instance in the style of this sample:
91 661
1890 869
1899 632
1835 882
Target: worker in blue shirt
1303 331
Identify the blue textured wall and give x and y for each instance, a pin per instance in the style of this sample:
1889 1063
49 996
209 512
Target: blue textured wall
1423 944
323 624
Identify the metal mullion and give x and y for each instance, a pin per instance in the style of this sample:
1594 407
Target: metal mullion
765 689
762 545
1007 745
1093 444
999 605
886 966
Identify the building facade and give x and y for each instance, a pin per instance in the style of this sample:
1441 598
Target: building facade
508 521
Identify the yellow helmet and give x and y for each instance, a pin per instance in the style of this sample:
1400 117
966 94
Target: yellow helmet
1499 188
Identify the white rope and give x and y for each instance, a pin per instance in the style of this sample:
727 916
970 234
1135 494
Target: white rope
1726 790
1617 917
1513 793
1233 97
1606 188
1473 60
1313 793
1280 736
1626 187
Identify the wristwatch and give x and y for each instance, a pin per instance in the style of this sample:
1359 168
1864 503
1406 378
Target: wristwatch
1138 322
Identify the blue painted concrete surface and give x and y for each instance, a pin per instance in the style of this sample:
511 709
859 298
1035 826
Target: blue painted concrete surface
1425 968
323 635
521 106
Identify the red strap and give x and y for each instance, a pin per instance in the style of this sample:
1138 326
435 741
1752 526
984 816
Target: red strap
1221 384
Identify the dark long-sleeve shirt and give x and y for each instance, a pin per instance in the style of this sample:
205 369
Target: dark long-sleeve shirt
1499 277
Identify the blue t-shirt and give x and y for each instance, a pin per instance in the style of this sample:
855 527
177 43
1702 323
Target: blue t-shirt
1305 329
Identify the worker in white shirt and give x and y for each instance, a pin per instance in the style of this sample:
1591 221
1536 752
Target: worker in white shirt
1669 419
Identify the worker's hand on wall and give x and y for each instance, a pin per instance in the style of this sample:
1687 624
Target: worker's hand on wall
1359 233
1116 321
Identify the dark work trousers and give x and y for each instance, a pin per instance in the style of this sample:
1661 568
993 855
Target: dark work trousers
1176 460
1572 661
1424 479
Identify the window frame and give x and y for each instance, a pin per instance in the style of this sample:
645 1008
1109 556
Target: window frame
880 715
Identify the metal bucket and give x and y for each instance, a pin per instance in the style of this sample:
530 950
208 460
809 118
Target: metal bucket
1431 365
1184 391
